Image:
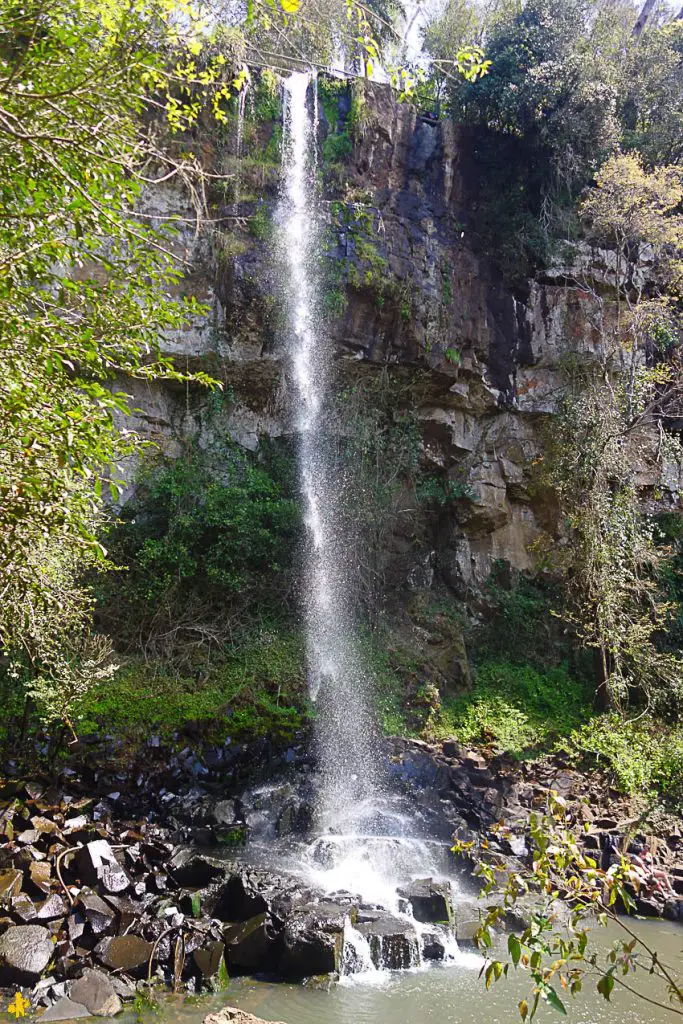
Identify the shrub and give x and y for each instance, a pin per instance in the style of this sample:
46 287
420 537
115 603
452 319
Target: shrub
644 757
207 538
516 709
257 689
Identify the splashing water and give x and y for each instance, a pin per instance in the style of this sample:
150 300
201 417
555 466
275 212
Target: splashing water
349 777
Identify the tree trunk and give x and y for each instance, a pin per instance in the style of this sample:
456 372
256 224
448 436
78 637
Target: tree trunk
643 18
601 671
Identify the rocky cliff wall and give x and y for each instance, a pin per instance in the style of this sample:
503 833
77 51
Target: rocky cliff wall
406 296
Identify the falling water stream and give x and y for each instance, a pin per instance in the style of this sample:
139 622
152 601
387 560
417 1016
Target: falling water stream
350 776
367 842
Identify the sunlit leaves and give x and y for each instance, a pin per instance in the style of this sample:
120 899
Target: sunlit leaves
553 949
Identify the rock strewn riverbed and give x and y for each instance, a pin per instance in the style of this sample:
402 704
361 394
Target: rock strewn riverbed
97 900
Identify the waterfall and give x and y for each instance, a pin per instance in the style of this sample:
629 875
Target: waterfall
349 772
241 107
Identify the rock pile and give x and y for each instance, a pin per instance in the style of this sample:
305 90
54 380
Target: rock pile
93 910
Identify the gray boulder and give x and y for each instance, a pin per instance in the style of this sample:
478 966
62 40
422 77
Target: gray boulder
25 952
95 991
66 1009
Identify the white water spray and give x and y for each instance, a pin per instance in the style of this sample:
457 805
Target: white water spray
349 781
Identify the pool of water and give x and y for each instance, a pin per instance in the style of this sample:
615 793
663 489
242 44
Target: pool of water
451 994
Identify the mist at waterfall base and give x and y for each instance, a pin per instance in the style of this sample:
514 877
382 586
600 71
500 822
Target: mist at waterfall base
368 841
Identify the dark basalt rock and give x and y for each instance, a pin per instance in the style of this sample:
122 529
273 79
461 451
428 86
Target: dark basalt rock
432 902
25 952
433 947
125 952
250 945
312 941
394 943
193 872
91 858
210 961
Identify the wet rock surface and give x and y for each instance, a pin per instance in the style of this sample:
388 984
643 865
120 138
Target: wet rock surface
394 942
103 885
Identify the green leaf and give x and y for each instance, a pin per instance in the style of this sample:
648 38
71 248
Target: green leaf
514 949
552 999
605 986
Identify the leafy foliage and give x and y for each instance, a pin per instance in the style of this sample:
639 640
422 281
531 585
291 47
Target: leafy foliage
256 688
208 536
559 957
516 709
643 757
609 424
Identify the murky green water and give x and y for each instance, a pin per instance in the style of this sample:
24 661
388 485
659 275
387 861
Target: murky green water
438 995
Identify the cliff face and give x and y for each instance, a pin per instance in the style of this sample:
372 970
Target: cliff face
408 296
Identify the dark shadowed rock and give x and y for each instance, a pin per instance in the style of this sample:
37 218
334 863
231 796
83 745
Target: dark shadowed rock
192 872
241 898
99 915
249 944
25 952
209 960
91 858
95 991
433 947
313 940
393 942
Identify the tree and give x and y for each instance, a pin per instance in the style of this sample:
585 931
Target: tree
555 948
85 283
540 123
651 94
610 424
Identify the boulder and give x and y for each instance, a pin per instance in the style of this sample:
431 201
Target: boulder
25 952
313 940
66 1009
231 1015
125 952
394 943
433 946
210 962
192 872
95 991
249 944
432 902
